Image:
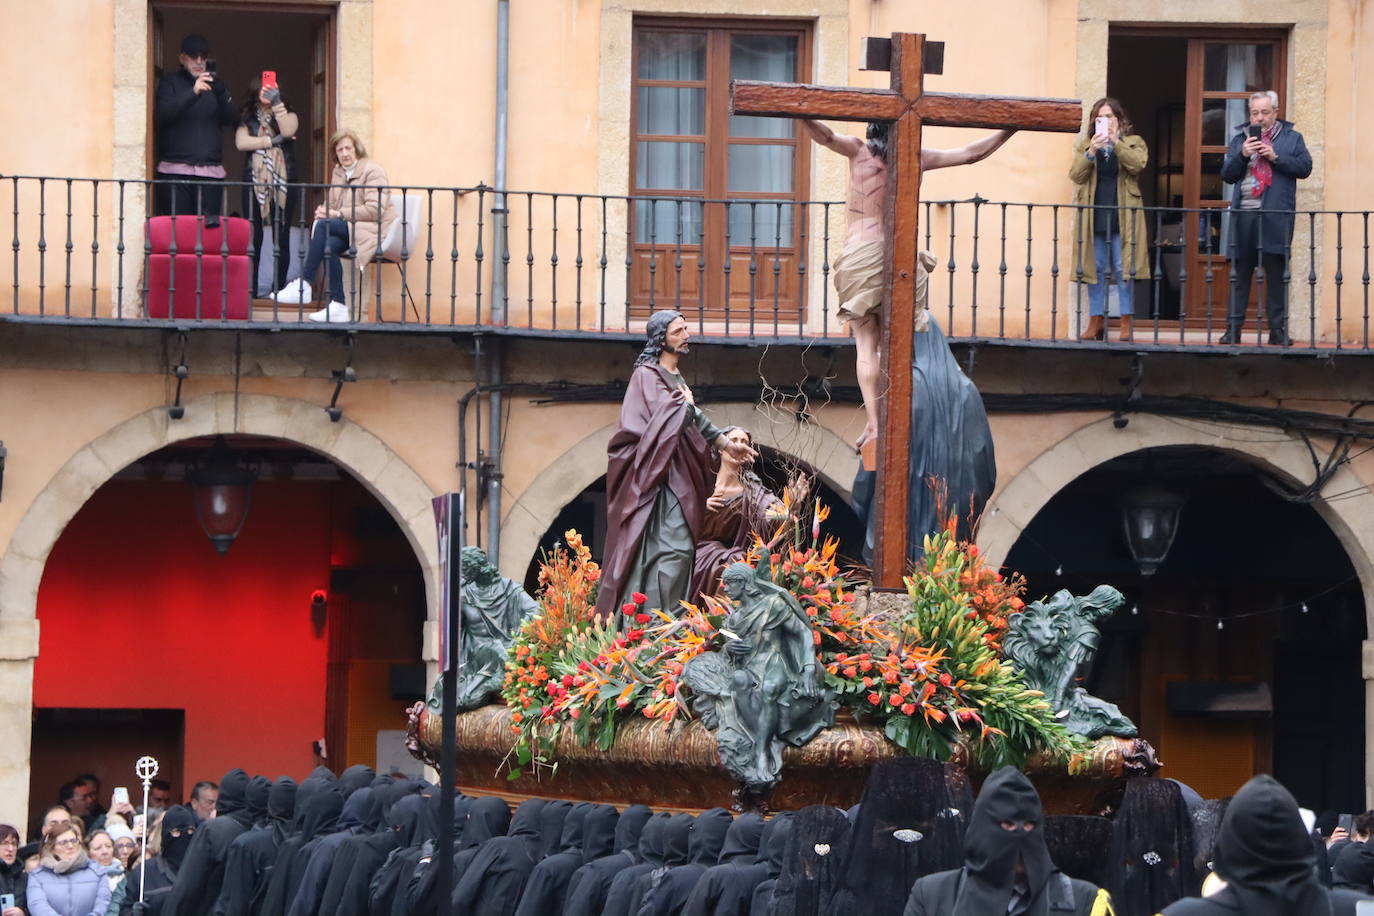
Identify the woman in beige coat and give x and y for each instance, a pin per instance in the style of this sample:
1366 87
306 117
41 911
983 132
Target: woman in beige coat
358 200
1111 223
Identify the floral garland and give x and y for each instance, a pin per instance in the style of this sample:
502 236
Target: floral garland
931 674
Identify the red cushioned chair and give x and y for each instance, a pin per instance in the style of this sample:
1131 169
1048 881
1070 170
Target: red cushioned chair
221 271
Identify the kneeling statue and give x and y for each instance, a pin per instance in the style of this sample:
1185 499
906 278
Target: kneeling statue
766 687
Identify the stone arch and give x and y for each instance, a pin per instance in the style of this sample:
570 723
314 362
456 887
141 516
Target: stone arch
530 515
384 473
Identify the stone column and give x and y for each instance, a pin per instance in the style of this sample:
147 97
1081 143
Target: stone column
18 649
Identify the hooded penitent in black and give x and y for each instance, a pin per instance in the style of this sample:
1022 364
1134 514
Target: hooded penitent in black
988 882
1266 858
1079 845
178 833
356 777
488 818
386 893
772 848
589 885
248 865
726 889
359 816
201 876
1354 867
910 824
318 813
812 866
677 850
589 828
1151 860
259 787
667 894
652 844
493 881
359 856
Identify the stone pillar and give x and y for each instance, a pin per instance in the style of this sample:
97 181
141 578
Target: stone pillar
18 649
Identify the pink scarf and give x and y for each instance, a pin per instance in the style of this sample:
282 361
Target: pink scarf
1264 169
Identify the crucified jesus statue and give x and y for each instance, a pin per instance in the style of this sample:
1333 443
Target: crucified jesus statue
859 268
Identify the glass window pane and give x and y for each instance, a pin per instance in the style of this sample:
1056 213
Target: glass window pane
762 223
763 57
670 166
664 110
1238 68
658 222
1212 186
672 56
1219 120
760 167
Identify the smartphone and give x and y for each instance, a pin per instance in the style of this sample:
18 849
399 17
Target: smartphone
1344 822
269 79
6 901
1102 127
1254 130
212 67
120 796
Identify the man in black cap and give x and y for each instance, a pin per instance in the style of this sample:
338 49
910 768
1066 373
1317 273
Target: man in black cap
192 109
1007 866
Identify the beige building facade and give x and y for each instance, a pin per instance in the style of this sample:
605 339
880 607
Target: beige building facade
86 380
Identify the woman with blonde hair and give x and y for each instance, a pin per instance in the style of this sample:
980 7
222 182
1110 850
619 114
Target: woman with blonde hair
67 882
1111 221
356 214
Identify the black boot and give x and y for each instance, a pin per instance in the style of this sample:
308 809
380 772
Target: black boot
1280 338
1232 336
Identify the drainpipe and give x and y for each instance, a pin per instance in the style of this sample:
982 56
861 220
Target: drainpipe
498 282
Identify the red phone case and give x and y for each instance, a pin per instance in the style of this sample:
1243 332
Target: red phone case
269 79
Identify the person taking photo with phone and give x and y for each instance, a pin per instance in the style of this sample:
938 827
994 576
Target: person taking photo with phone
267 132
192 109
1111 221
14 880
1264 162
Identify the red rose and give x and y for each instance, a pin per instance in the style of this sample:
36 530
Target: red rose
627 608
567 680
894 699
632 635
946 680
874 698
908 708
642 618
639 597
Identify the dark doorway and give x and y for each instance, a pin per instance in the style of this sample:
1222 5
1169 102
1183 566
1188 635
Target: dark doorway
1255 589
105 743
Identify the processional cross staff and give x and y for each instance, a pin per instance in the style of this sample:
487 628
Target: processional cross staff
906 107
145 768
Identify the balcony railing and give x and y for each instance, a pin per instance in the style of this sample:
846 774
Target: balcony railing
533 262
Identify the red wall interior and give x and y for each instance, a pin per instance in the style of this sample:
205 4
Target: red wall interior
137 611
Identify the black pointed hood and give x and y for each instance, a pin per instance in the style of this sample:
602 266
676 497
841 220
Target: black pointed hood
570 838
525 824
991 853
356 777
773 842
551 820
487 817
629 828
321 813
677 840
742 840
259 788
412 819
180 820
599 832
233 794
281 800
708 836
356 808
1265 854
653 839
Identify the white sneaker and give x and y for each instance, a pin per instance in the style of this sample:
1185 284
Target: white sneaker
295 292
334 313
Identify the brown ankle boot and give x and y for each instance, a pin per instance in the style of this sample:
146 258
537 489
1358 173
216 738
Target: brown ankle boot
1094 330
1126 327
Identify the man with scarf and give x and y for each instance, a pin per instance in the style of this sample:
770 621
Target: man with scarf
158 876
1007 866
1265 857
202 874
658 477
1265 171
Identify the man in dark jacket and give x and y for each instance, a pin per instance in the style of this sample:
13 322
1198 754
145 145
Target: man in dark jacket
191 110
1265 170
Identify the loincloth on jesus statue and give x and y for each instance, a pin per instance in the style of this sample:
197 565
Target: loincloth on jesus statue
859 281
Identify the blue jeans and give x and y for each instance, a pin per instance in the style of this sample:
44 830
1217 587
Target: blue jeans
327 243
1107 253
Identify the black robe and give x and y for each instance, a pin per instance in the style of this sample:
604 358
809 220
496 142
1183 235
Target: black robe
667 893
488 818
652 847
677 851
201 875
248 865
589 826
772 849
494 879
589 884
726 889
386 893
356 777
163 871
361 856
817 850
357 818
935 895
1353 867
319 814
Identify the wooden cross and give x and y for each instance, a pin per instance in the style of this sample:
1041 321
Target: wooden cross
907 107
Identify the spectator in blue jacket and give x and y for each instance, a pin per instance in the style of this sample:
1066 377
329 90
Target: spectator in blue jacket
67 883
1265 170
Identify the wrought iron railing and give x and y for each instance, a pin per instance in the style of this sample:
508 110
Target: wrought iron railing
86 250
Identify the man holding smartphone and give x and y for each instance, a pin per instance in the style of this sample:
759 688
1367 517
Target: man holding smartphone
1264 162
191 111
